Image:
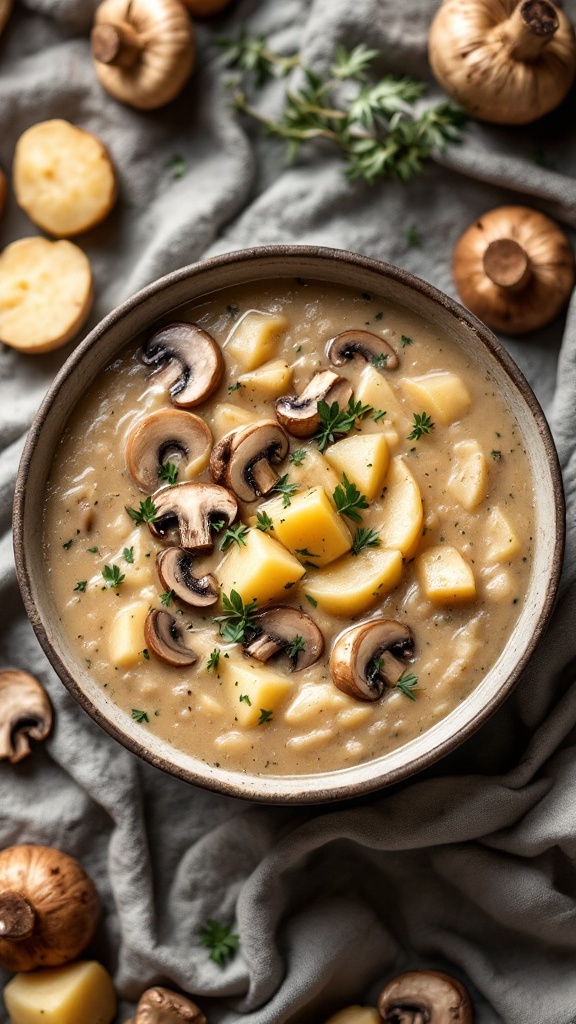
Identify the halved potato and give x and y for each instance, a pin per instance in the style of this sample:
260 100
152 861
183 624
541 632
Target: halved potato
255 338
364 458
445 577
45 293
63 178
444 395
260 569
270 380
400 523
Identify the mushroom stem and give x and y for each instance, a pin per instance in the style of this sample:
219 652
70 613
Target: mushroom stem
391 668
507 264
263 647
116 44
17 916
529 29
263 476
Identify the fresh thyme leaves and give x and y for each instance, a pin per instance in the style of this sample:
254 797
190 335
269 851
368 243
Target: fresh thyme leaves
379 360
405 340
213 659
285 489
237 617
68 544
93 551
178 166
234 535
422 425
168 471
334 421
263 522
298 644
81 585
235 387
233 313
373 124
112 576
167 598
129 555
298 456
305 553
349 500
413 236
140 716
496 454
145 514
218 938
311 600
265 716
218 524
378 414
244 697
406 685
365 538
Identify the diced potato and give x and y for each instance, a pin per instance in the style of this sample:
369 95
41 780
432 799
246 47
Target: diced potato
62 995
350 718
444 396
469 480
227 417
260 570
314 470
210 706
311 740
503 544
270 381
400 523
312 700
310 527
364 458
139 572
390 434
255 339
355 582
252 689
500 588
374 389
126 635
233 742
356 1015
444 575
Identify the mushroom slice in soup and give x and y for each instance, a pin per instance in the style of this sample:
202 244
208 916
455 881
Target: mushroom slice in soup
195 508
187 361
174 567
161 437
166 639
284 629
242 459
371 656
361 346
299 413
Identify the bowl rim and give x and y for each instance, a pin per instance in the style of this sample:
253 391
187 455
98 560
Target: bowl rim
247 786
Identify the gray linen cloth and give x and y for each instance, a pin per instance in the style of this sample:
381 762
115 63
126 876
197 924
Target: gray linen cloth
468 868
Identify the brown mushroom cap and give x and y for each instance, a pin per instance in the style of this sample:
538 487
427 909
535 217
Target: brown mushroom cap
187 361
164 637
241 459
174 567
277 628
160 1006
361 347
25 711
299 413
371 656
194 507
163 436
425 997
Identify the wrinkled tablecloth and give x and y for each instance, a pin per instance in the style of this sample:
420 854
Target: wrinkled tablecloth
469 867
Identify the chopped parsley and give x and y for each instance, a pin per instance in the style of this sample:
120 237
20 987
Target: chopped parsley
112 576
234 535
213 659
244 697
334 421
285 489
349 500
147 512
406 685
129 555
379 360
378 414
218 938
365 538
68 544
235 387
146 654
237 618
265 716
168 471
232 311
93 551
81 585
311 600
422 425
140 716
496 454
298 644
405 340
263 522
298 456
167 598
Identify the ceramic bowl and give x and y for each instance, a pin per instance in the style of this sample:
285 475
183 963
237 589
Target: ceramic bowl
138 314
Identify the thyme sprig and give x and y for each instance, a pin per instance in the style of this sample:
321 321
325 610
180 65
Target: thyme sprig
237 618
335 422
374 124
422 424
349 500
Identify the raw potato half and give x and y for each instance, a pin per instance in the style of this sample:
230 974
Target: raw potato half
63 178
45 293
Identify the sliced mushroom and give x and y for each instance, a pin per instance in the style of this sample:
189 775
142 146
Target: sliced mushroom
164 637
370 656
425 997
169 434
187 361
361 346
241 459
194 508
277 630
299 413
160 1006
175 571
25 711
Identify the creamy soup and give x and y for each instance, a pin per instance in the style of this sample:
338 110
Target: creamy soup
295 598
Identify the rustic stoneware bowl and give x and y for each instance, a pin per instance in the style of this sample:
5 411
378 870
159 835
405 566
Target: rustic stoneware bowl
163 298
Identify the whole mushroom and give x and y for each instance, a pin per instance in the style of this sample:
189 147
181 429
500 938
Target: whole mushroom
299 413
161 1006
168 435
187 361
425 997
242 459
514 268
174 567
504 62
143 50
25 712
284 629
361 347
194 509
371 656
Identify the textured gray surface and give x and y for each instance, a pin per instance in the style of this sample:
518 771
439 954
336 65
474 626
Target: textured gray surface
469 868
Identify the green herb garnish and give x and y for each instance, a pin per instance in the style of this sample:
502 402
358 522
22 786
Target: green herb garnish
378 414
406 685
336 421
298 456
365 538
496 454
168 471
213 659
235 387
265 716
218 938
263 522
147 512
81 585
379 360
129 555
93 551
234 535
146 654
305 553
233 312
422 425
311 600
68 544
285 489
112 576
298 644
244 697
405 340
140 716
237 618
167 598
349 500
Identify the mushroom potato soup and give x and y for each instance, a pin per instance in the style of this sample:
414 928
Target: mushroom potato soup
290 530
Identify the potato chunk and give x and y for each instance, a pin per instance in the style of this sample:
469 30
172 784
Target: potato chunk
355 582
227 417
63 178
126 634
444 576
270 380
255 338
260 570
62 995
444 396
314 470
364 458
373 389
45 293
310 527
503 543
252 689
400 522
356 1015
469 480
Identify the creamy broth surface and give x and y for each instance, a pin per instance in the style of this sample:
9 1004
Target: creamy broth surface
315 727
